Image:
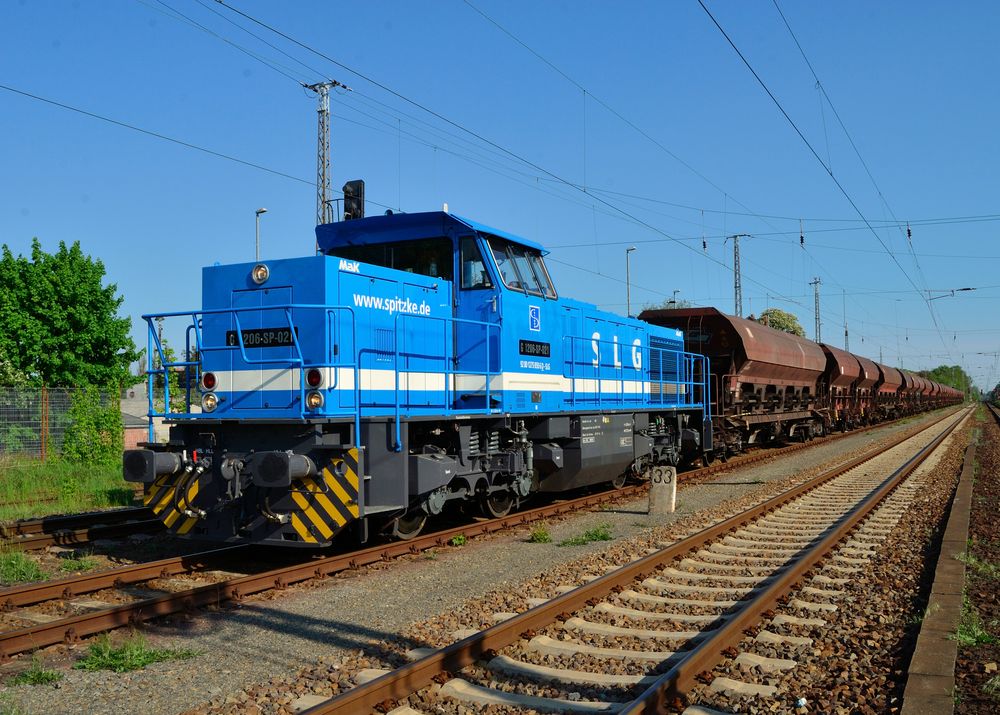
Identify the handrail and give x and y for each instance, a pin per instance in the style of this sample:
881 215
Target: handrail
683 368
448 373
298 361
676 369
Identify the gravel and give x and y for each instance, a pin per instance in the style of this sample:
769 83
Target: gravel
263 653
858 660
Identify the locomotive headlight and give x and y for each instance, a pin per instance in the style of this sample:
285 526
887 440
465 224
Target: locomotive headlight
209 402
260 273
314 400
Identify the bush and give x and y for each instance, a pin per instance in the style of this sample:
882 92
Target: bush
95 435
15 438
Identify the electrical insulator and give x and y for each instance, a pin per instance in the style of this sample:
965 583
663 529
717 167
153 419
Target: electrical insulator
909 233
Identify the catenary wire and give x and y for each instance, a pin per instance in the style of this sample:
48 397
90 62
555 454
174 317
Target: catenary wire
480 137
760 81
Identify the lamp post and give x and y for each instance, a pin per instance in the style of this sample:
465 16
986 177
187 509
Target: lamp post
673 300
628 282
257 214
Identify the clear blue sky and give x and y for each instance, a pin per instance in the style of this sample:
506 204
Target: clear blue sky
913 82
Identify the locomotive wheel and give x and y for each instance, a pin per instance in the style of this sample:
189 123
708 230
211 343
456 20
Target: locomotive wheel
409 525
496 504
619 481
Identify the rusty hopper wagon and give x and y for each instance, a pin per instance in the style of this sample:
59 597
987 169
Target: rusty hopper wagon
842 377
865 389
764 382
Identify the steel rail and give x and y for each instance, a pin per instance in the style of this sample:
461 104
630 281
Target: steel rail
994 410
71 629
29 502
406 680
83 535
71 522
72 586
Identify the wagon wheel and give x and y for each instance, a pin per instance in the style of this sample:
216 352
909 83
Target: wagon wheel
496 504
409 525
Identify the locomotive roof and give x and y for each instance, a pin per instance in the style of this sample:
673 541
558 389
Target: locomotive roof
404 226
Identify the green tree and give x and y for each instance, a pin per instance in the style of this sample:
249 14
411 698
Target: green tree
59 324
668 304
781 320
951 375
9 375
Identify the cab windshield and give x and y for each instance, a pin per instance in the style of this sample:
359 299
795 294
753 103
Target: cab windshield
521 268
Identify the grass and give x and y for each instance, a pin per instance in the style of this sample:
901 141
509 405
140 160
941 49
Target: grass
133 654
980 567
458 540
37 674
70 487
540 535
16 567
601 532
971 631
74 564
992 686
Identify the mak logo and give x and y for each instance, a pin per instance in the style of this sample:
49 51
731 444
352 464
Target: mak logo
349 266
534 318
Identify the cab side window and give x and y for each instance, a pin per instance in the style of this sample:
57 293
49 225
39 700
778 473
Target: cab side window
474 273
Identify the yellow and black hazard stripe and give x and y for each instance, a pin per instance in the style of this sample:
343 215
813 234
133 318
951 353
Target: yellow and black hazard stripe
328 501
159 497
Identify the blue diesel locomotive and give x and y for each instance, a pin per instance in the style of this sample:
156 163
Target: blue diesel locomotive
417 363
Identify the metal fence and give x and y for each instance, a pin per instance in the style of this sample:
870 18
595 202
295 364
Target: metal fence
33 421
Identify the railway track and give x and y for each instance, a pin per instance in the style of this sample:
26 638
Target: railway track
994 410
53 612
75 529
684 607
